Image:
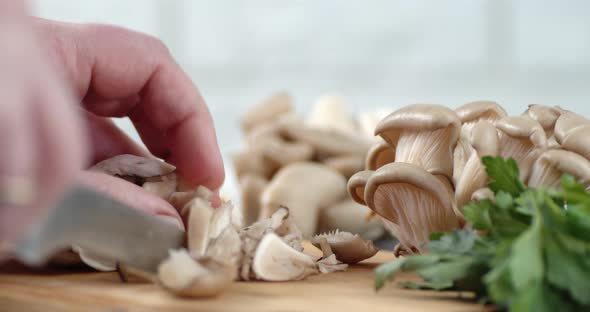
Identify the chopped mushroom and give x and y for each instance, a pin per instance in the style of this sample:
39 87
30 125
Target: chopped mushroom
275 261
380 154
522 139
552 164
199 218
271 108
348 248
305 188
424 135
133 166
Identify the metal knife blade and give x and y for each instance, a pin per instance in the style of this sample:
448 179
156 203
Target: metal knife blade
106 227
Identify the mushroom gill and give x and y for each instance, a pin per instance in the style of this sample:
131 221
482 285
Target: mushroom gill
424 135
552 164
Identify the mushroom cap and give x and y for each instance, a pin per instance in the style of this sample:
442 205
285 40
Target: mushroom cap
482 194
251 187
544 115
131 165
269 109
352 217
578 140
348 248
328 142
331 112
417 117
346 165
565 162
380 154
523 128
404 173
276 261
198 224
477 110
356 185
567 122
484 139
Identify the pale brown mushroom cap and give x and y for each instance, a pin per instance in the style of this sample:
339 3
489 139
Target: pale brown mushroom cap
578 141
348 248
269 109
350 216
356 185
552 164
131 165
484 139
417 117
480 110
523 128
328 142
380 154
544 115
346 165
276 261
567 122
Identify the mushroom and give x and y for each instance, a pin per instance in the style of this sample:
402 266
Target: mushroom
163 188
95 261
356 185
572 132
424 135
266 111
552 164
328 262
470 114
348 248
133 166
484 142
251 187
522 139
280 153
330 112
276 261
482 194
185 276
368 121
350 216
380 154
226 247
414 201
346 165
568 122
305 188
546 116
251 161
198 224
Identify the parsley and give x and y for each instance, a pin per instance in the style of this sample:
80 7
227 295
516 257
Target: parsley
533 254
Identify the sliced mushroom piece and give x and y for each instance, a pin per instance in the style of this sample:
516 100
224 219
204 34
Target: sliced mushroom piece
349 216
251 187
330 264
305 188
380 154
226 247
161 188
552 164
522 139
268 110
133 166
356 185
330 112
470 114
414 200
198 225
424 135
185 276
276 261
346 165
348 248
484 142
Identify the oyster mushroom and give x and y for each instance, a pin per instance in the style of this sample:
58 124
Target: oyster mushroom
484 142
252 161
330 112
127 166
198 224
482 194
470 114
349 216
226 248
415 203
356 185
380 154
346 165
251 187
305 188
552 164
276 261
424 135
522 139
348 248
572 132
186 276
268 110
368 121
546 116
568 122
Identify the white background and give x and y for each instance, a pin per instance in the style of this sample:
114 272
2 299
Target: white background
378 53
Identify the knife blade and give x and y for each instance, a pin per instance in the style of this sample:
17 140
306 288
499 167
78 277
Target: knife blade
104 226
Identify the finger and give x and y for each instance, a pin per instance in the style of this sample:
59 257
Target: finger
171 115
107 140
132 195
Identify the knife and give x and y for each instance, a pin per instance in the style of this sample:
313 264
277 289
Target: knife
104 226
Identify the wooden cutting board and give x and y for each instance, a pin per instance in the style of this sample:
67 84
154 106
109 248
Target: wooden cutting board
26 290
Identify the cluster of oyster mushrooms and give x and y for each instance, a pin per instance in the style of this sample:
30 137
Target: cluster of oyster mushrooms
303 163
428 164
219 249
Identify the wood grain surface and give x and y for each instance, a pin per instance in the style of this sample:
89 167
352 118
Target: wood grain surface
84 290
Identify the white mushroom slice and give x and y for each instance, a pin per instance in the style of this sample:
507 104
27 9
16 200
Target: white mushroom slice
356 186
330 112
470 114
135 166
348 248
268 110
350 216
226 247
346 165
184 276
522 139
161 188
305 188
95 261
424 135
330 264
251 187
380 154
483 142
553 164
179 200
198 224
414 200
276 261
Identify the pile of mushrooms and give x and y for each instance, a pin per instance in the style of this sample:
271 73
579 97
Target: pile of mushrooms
428 165
303 163
219 249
